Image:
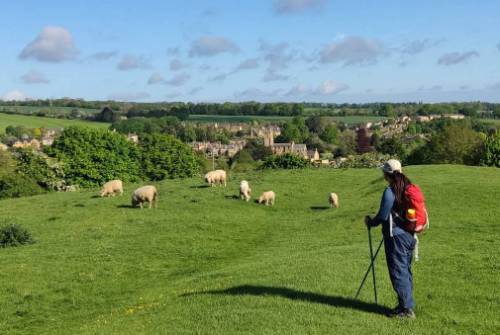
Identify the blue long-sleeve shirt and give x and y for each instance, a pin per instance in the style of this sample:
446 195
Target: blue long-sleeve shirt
382 217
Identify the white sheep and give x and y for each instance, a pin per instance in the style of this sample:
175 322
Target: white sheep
333 200
216 177
112 187
267 198
245 190
145 194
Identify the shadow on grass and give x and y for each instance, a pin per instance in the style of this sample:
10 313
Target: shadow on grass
284 292
234 197
319 208
125 206
95 196
199 186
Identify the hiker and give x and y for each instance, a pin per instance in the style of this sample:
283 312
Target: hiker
398 242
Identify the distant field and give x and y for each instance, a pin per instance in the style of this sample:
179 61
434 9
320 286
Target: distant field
46 122
355 119
493 121
48 110
248 118
238 118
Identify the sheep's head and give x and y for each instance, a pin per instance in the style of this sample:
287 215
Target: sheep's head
135 201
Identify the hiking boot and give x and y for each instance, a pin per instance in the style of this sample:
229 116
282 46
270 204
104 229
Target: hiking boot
396 310
404 313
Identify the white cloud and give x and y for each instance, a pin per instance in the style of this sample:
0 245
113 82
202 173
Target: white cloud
14 95
352 50
298 90
277 56
418 46
34 77
178 80
297 6
195 90
207 46
131 62
248 64
219 77
453 58
174 51
330 87
155 78
176 65
102 55
53 44
273 76
128 96
257 94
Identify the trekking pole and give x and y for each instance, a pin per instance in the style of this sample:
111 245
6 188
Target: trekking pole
372 264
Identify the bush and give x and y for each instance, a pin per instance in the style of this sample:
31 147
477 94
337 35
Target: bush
491 156
368 160
91 157
285 161
455 144
163 156
46 171
13 235
17 185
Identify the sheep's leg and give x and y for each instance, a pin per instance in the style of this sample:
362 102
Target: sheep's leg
140 204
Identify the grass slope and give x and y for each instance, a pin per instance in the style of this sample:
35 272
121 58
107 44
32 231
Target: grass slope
46 122
206 263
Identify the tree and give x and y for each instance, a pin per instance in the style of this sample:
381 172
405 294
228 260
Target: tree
363 141
455 144
392 146
164 157
330 134
92 157
491 156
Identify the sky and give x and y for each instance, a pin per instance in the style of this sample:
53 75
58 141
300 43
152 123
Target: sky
263 50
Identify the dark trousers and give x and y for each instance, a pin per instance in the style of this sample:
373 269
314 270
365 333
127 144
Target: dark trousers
398 253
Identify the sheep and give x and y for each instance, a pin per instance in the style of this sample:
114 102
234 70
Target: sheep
145 194
216 177
245 190
333 199
267 198
111 188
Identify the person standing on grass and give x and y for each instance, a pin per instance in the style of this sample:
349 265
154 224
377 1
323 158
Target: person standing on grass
399 243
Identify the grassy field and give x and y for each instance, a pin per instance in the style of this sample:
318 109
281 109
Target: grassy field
237 118
46 122
204 262
48 110
354 119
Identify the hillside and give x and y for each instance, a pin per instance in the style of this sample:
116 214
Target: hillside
45 122
204 262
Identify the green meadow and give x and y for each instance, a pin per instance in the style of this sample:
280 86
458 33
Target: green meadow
205 262
45 122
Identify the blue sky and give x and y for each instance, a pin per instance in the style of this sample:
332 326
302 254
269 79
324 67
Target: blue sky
283 50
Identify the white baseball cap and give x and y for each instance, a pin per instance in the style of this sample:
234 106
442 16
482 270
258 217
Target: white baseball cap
391 166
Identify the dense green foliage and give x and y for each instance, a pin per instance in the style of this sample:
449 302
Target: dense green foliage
205 263
164 157
46 171
454 144
90 157
285 161
12 235
16 185
491 155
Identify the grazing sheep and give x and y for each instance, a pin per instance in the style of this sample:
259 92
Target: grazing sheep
216 177
245 190
145 194
267 198
111 188
333 199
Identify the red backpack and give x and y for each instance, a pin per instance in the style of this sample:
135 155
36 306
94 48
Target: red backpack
415 200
